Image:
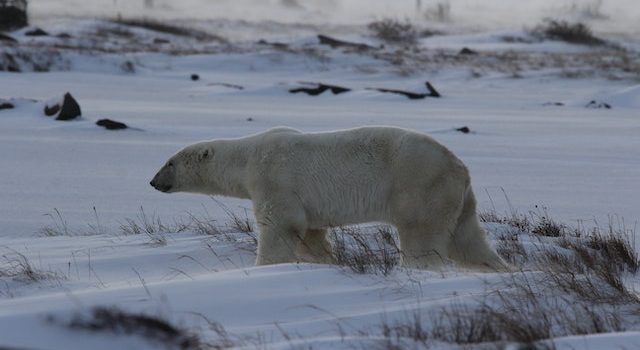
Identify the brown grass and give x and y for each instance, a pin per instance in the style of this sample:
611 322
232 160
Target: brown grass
394 32
575 33
366 252
17 266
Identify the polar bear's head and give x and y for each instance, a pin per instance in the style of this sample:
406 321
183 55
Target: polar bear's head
186 171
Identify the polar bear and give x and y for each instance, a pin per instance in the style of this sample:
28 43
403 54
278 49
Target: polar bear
303 183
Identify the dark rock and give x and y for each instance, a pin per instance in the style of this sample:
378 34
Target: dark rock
275 44
51 110
6 105
227 85
64 36
160 41
128 67
335 43
111 124
66 109
595 104
5 37
36 32
412 95
464 129
553 104
195 77
70 108
249 119
320 88
467 51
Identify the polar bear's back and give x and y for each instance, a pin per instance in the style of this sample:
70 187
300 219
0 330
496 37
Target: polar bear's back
348 176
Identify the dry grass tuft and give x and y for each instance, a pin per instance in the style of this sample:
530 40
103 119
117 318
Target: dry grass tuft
17 266
575 33
548 228
152 226
366 252
394 32
510 248
58 226
593 267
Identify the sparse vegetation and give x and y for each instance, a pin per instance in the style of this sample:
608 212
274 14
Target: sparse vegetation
510 248
575 33
439 12
58 227
576 288
591 9
580 272
151 328
547 227
522 316
394 32
25 59
593 266
163 27
17 266
366 252
152 226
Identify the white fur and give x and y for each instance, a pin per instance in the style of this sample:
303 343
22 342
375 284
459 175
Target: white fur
301 184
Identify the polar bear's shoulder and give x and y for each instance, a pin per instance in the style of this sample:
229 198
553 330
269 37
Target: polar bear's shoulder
269 135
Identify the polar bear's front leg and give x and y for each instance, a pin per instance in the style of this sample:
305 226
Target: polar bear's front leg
282 227
276 244
315 248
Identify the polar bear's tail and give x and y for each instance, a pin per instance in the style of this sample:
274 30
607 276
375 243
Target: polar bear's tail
470 247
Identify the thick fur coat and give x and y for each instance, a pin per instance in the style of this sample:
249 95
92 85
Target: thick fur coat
302 183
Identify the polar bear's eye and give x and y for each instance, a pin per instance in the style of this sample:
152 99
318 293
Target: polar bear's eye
170 164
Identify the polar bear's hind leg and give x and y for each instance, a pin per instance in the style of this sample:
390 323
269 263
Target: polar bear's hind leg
426 223
470 247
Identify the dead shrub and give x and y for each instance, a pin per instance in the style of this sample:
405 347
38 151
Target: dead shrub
374 252
523 312
394 32
615 247
510 248
548 228
575 33
592 267
518 221
152 328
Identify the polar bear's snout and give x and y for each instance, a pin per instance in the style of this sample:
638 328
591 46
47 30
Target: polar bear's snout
163 181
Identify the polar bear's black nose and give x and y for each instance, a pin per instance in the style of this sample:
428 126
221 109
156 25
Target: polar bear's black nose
152 183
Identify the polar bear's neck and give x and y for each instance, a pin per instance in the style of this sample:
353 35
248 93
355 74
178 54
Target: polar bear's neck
232 168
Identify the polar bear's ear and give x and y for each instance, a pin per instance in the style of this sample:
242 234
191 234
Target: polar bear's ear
204 154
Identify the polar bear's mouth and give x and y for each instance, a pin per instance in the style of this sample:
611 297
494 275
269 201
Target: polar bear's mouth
161 188
164 188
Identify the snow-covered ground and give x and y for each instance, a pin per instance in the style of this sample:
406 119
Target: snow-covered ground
70 190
